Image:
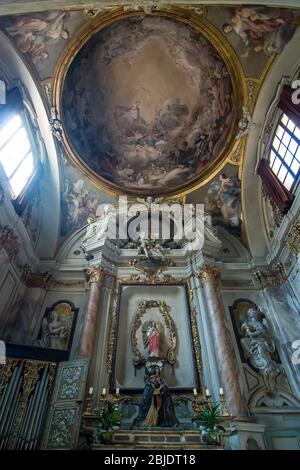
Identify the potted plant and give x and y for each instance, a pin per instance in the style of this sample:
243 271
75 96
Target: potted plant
209 420
109 419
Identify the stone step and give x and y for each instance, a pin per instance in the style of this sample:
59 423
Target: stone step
139 439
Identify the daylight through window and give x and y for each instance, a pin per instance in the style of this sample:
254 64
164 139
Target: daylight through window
285 152
16 155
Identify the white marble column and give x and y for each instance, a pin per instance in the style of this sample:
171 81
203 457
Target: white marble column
210 368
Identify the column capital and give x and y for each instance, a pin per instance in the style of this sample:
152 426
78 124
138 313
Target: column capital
95 274
270 278
209 274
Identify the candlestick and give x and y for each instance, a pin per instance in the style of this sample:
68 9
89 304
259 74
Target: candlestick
117 391
195 391
91 391
221 391
104 391
207 393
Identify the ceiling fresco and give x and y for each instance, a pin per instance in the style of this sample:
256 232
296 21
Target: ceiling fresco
41 37
80 200
148 103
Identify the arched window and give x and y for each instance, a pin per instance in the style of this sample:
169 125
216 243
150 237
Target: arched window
19 148
285 152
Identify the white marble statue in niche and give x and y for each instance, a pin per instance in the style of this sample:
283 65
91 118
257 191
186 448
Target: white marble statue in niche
260 347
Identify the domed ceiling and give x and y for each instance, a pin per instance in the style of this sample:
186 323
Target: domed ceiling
147 105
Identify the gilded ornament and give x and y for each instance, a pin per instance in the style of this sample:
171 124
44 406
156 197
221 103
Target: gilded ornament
293 239
197 347
111 342
208 274
95 274
192 15
165 312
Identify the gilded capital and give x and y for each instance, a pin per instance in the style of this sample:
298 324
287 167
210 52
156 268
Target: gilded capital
95 274
208 274
272 278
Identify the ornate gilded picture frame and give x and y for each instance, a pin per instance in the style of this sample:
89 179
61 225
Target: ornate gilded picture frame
139 305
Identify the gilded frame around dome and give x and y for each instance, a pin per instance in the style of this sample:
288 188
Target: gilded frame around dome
213 35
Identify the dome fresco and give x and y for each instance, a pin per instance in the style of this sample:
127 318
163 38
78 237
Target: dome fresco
147 104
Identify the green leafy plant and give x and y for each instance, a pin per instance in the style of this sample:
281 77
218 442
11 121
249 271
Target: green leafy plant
109 419
209 418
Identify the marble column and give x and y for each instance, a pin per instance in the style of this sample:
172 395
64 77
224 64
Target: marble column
227 365
95 278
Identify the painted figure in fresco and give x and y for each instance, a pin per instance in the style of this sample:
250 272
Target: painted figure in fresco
259 344
223 202
78 205
34 34
137 144
262 28
54 332
156 407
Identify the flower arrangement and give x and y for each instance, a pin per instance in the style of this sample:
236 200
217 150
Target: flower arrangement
109 419
209 420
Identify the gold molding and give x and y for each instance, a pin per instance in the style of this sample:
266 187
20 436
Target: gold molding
95 274
208 274
196 346
151 276
293 239
218 41
111 342
165 312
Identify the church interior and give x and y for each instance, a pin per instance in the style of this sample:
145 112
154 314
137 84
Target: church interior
149 225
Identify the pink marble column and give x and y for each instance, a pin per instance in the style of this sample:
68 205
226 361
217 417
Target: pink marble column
228 369
95 278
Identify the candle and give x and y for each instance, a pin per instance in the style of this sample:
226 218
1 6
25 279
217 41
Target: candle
91 391
207 392
117 391
221 391
194 391
104 391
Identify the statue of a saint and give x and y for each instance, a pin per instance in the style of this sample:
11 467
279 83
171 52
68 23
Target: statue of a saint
54 332
152 339
156 407
260 346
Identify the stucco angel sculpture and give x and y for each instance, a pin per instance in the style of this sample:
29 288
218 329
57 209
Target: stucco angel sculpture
260 346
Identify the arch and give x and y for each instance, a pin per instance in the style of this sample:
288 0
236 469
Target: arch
283 65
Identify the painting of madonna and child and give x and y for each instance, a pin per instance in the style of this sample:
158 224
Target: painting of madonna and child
147 103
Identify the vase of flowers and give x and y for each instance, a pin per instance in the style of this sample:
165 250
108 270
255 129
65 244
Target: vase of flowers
209 424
